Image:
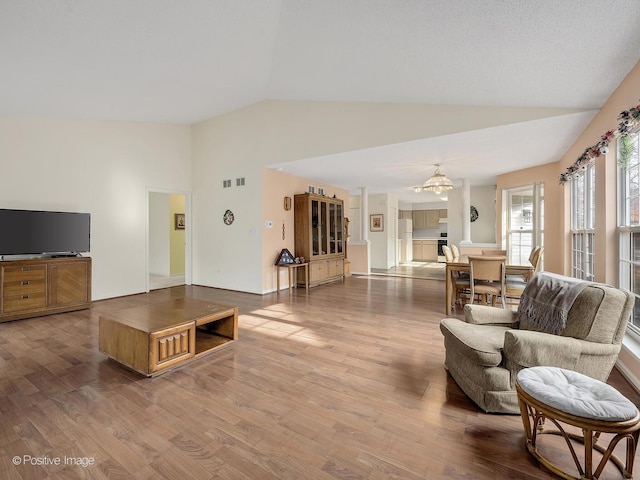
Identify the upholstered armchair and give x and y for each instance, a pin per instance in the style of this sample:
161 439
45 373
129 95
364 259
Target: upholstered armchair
486 350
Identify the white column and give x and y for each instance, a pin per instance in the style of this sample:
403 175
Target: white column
364 214
466 212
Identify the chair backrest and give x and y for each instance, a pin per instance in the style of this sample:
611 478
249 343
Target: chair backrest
494 252
448 256
599 314
535 257
454 250
487 268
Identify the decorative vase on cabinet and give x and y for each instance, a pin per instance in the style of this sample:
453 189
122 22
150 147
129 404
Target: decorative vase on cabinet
319 236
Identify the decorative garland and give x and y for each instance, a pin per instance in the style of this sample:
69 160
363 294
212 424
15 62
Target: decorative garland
629 119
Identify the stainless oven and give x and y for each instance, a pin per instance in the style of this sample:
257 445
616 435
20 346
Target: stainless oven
441 242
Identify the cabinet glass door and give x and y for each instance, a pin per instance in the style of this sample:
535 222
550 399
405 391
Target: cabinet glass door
332 228
315 227
323 228
339 228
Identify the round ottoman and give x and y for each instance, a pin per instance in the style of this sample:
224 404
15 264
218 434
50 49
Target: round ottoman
571 398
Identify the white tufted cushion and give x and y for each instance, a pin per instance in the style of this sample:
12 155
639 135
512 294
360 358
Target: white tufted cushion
576 394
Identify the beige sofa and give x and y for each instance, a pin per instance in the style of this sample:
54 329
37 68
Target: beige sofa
486 350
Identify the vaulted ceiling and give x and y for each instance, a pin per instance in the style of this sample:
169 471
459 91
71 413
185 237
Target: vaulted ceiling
183 61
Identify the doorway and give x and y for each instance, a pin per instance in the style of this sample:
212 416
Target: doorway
168 239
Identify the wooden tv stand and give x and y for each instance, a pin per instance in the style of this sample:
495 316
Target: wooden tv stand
42 286
156 337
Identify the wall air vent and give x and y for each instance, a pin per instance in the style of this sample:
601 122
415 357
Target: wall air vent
240 182
226 183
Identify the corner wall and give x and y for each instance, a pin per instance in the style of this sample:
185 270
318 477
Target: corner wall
276 186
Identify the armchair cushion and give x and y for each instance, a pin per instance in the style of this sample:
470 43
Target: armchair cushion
523 349
486 315
480 344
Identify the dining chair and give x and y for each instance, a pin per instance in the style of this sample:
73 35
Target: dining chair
460 283
487 277
515 284
454 250
494 252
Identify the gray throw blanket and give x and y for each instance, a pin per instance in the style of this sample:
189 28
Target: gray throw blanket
547 299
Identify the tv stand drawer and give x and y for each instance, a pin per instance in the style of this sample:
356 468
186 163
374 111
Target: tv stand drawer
25 302
24 273
10 289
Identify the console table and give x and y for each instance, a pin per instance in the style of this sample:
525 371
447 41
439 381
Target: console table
153 338
293 267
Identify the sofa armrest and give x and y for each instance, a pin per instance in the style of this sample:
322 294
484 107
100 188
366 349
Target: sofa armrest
527 348
485 315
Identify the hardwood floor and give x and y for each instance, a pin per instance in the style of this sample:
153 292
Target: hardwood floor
345 382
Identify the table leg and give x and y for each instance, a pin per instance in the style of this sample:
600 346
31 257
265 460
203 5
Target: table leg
306 276
277 278
448 280
290 279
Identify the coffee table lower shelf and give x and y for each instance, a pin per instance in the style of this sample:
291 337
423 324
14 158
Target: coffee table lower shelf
154 338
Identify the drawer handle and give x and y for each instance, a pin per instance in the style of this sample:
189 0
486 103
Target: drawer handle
24 297
25 282
26 269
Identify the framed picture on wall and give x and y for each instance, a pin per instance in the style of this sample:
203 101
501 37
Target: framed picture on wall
179 220
376 222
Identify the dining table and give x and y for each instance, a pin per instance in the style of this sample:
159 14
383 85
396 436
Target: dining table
461 264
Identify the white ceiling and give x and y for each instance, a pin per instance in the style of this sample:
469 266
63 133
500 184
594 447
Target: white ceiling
187 60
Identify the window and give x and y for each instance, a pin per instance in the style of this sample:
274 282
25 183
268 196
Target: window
524 209
583 209
629 219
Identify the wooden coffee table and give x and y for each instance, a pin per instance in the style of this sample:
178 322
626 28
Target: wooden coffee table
153 338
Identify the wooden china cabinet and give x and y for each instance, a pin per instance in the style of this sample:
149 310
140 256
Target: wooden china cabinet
319 236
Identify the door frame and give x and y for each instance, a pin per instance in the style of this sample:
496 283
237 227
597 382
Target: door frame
187 233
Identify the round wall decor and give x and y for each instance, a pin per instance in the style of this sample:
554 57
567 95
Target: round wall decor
228 217
474 213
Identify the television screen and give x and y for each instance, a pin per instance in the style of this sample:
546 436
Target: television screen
38 232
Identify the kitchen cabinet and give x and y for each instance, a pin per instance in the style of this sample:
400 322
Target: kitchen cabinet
419 218
433 219
426 218
425 250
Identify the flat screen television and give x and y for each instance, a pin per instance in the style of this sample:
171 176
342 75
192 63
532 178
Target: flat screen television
30 232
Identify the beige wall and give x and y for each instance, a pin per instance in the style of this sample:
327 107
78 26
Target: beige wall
278 185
